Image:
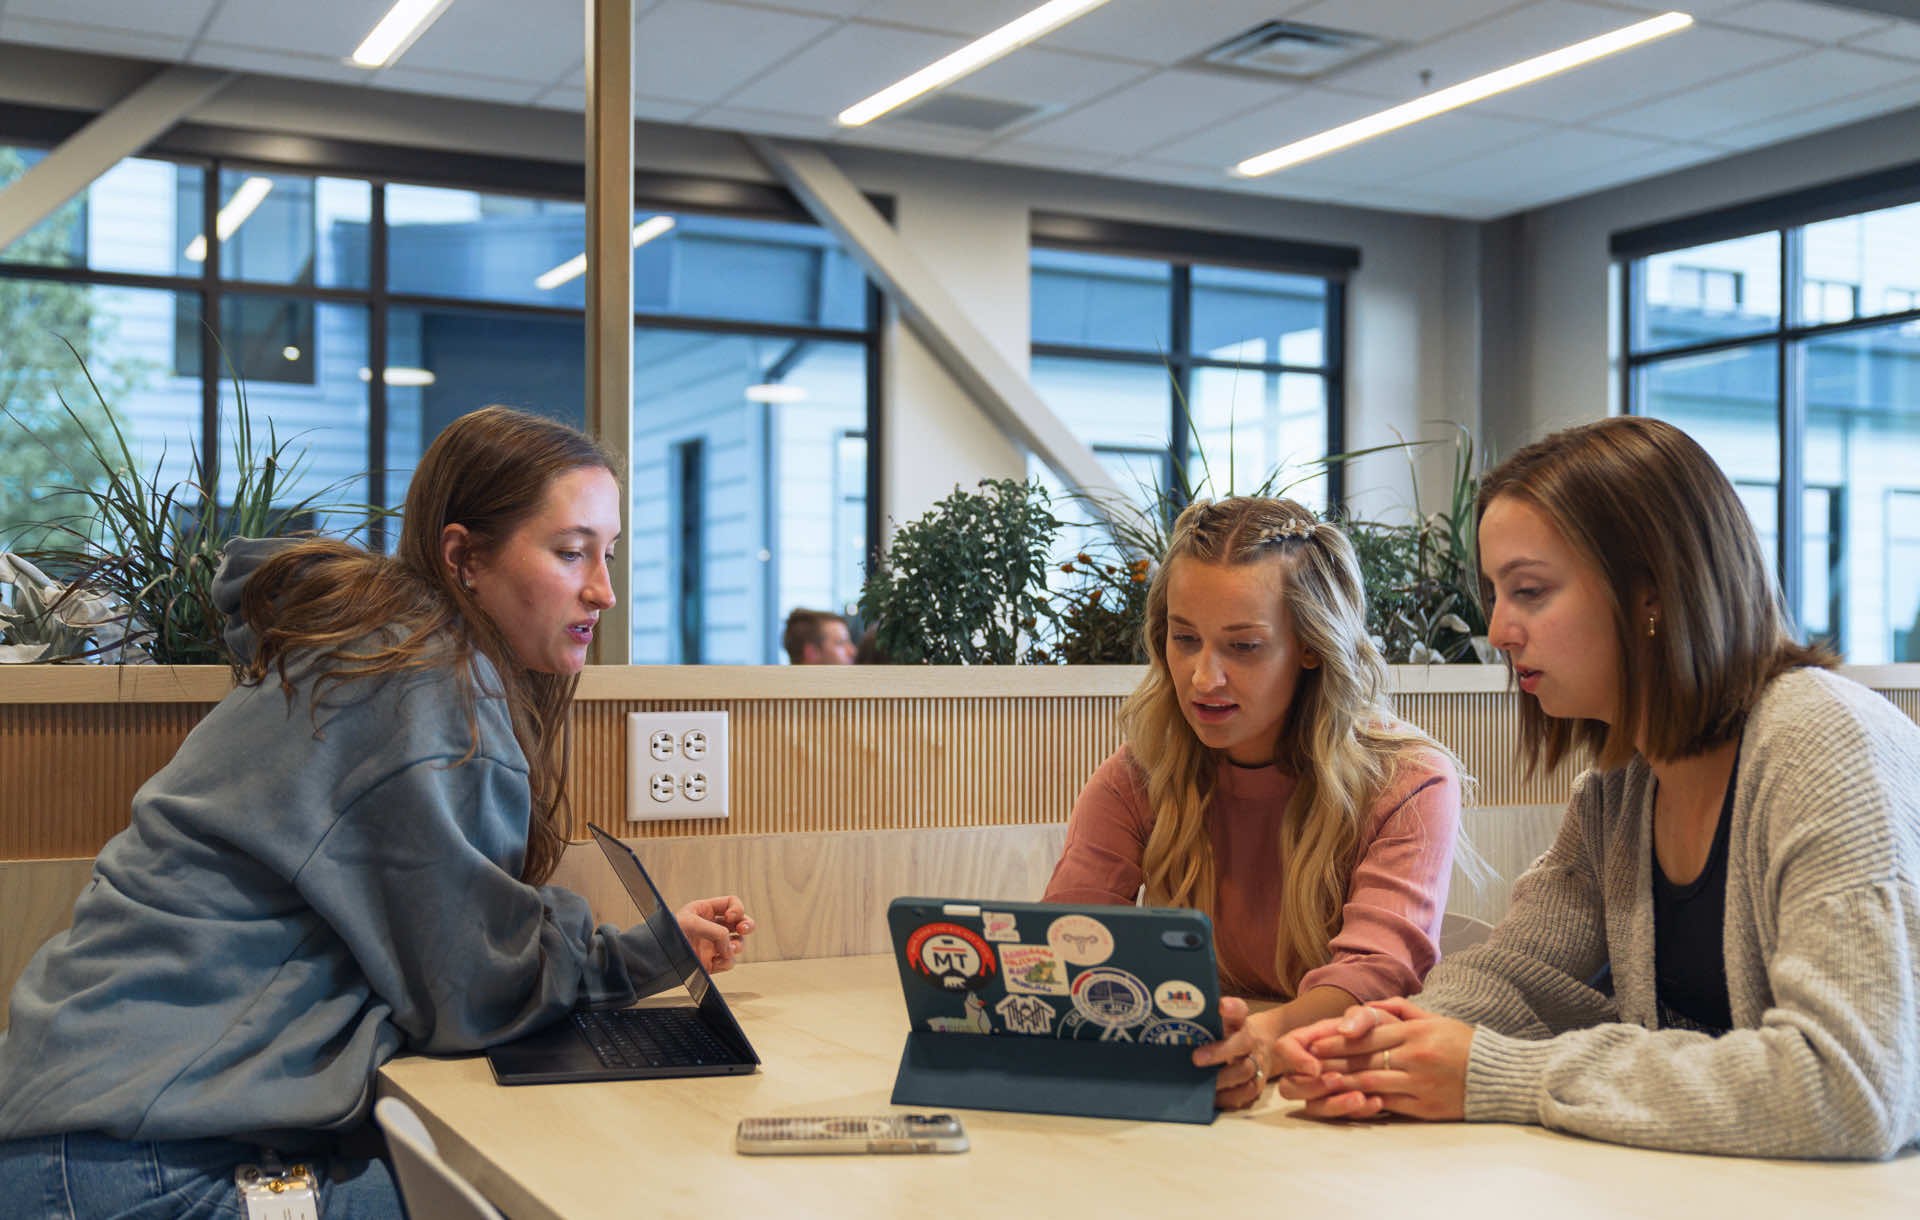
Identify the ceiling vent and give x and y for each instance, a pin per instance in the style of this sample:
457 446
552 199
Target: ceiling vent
963 112
1292 50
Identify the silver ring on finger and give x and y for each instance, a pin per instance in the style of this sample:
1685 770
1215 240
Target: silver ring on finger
1259 1072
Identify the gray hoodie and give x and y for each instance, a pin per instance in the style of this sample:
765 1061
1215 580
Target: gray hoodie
302 893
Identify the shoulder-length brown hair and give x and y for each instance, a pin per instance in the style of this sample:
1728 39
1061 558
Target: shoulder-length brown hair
1644 504
488 471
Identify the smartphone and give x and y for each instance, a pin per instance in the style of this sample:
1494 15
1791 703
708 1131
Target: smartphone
850 1133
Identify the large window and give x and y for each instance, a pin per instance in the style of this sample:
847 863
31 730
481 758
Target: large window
1183 373
359 315
1793 355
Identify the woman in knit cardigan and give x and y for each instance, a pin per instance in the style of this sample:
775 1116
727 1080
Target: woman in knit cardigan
1721 950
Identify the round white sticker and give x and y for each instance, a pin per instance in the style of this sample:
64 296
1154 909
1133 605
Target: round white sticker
1081 940
1178 998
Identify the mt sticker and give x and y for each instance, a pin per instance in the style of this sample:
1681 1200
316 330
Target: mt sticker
950 957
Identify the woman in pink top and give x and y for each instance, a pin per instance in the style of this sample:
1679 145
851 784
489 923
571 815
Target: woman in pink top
1265 781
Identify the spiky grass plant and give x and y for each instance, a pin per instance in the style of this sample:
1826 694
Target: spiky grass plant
153 547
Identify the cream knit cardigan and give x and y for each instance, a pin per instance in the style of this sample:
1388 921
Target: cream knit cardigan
1822 949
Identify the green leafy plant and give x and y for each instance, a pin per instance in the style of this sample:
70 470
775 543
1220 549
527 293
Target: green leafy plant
1100 620
1423 588
151 549
966 583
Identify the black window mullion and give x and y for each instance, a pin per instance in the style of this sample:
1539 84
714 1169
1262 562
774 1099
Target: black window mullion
211 330
377 362
1792 423
1180 414
1336 397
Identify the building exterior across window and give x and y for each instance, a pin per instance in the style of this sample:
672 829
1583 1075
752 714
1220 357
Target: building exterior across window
1793 355
358 315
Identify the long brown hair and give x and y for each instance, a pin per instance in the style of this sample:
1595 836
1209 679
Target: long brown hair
1340 737
488 471
1652 512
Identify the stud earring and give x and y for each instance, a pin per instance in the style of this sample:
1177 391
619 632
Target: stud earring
1651 621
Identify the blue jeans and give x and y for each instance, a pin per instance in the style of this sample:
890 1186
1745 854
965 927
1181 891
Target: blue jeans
92 1177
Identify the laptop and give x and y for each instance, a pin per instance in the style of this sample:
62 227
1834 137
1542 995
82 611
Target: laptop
700 1039
1056 1008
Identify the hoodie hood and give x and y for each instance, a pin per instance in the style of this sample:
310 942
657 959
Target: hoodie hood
240 559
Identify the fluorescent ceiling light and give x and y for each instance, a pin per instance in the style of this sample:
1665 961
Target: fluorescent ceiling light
245 199
576 266
776 392
404 22
400 375
1455 96
972 57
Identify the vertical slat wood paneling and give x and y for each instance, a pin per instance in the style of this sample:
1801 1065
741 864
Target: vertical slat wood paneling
68 771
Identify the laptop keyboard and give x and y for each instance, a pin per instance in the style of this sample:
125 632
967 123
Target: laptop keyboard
651 1037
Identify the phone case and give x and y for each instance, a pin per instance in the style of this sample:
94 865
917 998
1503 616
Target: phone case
850 1133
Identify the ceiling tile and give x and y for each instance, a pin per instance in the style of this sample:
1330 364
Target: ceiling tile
1399 21
1046 156
1902 39
1547 156
908 137
1041 77
1773 92
1172 173
1153 111
1635 77
845 66
331 30
1813 22
413 79
1165 31
494 38
768 123
1699 8
102 39
1505 40
830 8
1295 115
1603 176
179 19
279 63
1439 141
703 52
972 18
1820 118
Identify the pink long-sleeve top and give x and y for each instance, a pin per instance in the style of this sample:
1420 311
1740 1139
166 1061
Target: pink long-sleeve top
1390 923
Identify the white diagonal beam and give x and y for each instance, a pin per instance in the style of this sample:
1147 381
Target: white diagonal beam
961 347
117 132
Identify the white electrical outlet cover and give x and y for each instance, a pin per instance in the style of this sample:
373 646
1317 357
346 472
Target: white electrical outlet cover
676 765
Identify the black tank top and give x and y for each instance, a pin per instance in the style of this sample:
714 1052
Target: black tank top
1689 923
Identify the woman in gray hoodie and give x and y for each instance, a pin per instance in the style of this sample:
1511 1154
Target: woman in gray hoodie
345 858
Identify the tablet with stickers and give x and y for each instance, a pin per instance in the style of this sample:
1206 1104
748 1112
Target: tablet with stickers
1051 1008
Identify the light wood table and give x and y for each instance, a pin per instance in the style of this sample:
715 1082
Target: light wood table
830 1031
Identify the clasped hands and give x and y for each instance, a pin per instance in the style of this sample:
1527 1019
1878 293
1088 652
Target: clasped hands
1390 1056
717 928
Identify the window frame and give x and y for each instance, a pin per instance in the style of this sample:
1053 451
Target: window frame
212 150
1181 250
1786 217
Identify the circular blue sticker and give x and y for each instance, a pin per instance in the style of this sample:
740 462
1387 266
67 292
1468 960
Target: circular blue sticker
1111 997
1175 1033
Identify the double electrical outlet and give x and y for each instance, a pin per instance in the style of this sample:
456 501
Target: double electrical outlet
676 765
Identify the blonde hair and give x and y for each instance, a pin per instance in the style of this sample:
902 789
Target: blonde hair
1340 738
1643 503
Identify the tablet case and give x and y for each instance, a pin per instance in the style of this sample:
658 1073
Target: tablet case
1056 1009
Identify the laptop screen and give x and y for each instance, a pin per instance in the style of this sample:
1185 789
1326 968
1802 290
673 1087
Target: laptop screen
658 917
